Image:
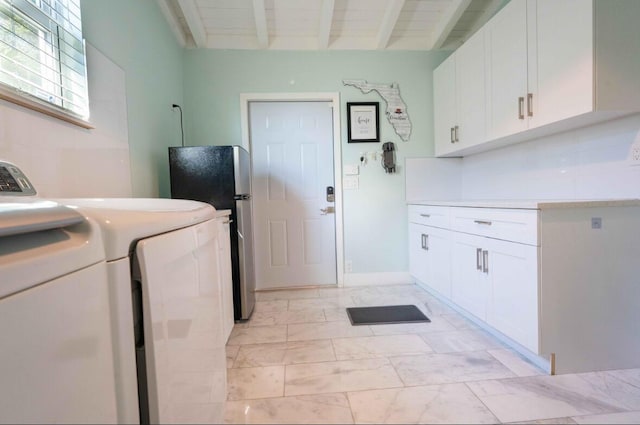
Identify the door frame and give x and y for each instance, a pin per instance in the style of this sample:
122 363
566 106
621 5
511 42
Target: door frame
334 99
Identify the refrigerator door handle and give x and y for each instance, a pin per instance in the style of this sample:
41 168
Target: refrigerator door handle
241 197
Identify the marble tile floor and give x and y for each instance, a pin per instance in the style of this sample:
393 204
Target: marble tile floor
299 360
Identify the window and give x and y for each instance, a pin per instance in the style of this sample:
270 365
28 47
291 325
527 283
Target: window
42 53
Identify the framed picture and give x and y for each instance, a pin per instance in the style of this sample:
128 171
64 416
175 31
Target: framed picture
362 122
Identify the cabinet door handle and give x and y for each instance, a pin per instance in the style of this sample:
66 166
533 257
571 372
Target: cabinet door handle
521 108
487 223
425 242
530 104
422 241
425 215
478 255
453 140
485 261
455 132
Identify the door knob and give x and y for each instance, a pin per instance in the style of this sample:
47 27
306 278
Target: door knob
328 210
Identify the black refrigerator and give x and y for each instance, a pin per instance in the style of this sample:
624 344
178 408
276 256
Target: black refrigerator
221 176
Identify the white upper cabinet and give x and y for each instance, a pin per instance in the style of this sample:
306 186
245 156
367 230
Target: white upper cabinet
459 96
444 98
506 36
470 91
556 65
561 60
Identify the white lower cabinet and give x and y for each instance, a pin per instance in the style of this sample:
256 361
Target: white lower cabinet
494 280
430 257
470 286
497 281
512 305
559 279
417 254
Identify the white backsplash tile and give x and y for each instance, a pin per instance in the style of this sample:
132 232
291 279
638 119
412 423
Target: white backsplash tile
63 160
586 163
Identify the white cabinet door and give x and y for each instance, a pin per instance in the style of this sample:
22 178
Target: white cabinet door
563 66
438 244
224 273
470 92
506 38
469 285
444 110
417 253
512 270
182 321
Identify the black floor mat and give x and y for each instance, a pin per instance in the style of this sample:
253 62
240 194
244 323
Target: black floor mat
385 315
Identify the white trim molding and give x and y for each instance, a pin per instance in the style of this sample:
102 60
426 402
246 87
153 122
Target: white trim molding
334 99
378 279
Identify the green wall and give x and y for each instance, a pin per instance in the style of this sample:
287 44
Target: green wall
135 36
207 83
375 219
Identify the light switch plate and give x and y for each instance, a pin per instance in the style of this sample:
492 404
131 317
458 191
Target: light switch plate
351 170
350 183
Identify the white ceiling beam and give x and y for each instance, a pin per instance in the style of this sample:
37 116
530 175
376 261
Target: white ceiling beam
173 22
260 15
326 19
391 14
446 23
192 17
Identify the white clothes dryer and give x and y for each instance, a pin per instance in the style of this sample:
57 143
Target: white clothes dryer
56 354
167 307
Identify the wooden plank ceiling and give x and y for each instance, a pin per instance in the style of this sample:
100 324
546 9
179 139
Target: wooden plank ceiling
327 24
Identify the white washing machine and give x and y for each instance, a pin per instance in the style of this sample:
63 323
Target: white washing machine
162 261
56 354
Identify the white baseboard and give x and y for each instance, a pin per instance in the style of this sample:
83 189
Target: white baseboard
539 361
373 279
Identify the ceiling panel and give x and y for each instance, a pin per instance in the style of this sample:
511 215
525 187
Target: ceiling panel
305 24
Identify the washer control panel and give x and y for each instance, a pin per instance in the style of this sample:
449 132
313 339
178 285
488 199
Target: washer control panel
13 182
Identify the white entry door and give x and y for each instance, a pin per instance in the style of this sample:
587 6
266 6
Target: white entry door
292 153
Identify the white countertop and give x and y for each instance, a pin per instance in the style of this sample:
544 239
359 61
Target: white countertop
532 204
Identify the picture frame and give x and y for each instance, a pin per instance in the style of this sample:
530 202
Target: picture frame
363 123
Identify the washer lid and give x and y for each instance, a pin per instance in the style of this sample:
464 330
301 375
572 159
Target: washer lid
127 220
41 241
28 216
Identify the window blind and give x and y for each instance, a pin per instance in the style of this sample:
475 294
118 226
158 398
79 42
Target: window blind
42 52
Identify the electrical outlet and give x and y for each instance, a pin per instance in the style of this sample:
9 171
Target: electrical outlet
596 222
350 182
634 155
634 151
348 266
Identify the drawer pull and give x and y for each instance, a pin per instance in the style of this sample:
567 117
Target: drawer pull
488 223
425 215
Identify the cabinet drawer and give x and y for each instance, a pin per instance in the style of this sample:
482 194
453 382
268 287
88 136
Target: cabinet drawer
429 215
505 224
